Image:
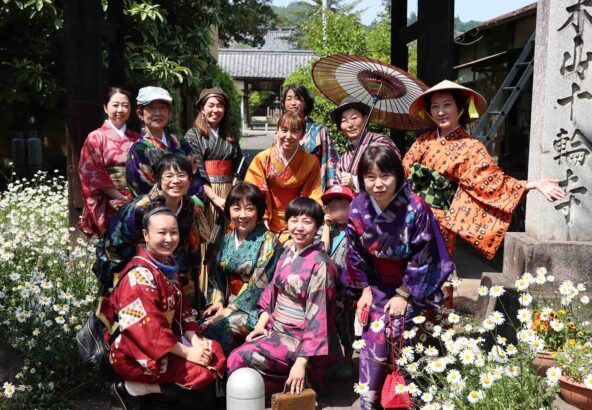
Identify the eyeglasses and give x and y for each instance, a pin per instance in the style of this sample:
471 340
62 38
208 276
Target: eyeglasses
181 177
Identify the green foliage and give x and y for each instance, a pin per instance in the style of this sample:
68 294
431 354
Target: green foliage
344 34
259 99
575 359
245 21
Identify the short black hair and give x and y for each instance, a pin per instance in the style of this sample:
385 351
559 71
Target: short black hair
302 93
385 159
245 191
305 206
461 100
111 91
159 210
176 161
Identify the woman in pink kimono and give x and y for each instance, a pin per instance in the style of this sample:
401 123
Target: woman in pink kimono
102 164
296 331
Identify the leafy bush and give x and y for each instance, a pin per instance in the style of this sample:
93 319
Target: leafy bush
46 290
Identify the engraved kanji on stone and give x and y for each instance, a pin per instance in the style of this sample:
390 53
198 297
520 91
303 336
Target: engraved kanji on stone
573 149
578 15
575 95
575 63
574 192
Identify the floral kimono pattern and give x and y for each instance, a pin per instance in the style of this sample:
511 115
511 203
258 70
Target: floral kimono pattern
124 232
481 209
153 313
102 165
371 139
239 276
141 164
317 142
282 183
400 247
300 301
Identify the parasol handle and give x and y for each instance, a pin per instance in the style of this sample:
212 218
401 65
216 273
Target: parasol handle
365 129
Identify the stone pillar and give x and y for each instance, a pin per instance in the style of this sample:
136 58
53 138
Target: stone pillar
559 235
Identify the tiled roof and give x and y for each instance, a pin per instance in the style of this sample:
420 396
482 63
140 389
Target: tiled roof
253 63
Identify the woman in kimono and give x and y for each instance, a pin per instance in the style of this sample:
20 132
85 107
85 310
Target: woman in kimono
295 334
158 346
469 195
350 117
154 110
242 269
396 257
214 152
124 229
316 140
102 164
285 172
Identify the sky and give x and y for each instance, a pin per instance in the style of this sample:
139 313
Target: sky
480 10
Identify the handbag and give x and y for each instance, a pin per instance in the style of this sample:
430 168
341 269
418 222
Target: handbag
288 401
389 399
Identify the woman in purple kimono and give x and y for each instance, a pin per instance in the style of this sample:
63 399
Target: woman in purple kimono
396 257
296 331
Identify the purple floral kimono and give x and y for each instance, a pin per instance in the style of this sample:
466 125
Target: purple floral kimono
401 246
300 301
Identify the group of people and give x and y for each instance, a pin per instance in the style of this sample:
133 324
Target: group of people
313 241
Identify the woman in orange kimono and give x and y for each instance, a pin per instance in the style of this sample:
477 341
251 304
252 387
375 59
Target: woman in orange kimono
285 171
470 196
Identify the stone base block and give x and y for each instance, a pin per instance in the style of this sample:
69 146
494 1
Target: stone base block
563 259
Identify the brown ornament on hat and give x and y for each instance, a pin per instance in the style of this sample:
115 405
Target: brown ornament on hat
476 103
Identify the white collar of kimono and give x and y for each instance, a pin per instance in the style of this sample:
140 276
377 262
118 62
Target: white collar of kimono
298 252
377 208
438 136
215 131
284 160
120 131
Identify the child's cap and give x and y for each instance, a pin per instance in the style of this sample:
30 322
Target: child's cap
337 191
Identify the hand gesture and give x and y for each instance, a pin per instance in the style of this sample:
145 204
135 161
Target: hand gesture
364 301
200 354
220 314
347 179
213 309
295 380
255 333
549 188
396 306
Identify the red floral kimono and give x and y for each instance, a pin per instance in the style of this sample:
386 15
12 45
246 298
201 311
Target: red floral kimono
481 208
153 313
102 165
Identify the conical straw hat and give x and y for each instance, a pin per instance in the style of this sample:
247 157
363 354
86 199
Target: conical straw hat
418 105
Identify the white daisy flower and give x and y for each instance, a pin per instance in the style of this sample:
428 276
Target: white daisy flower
361 388
400 389
456 281
377 326
431 351
497 317
475 396
581 287
541 271
402 361
528 277
359 344
521 284
556 325
496 291
427 397
550 278
453 376
418 320
437 331
537 344
526 335
483 291
437 366
8 389
584 300
486 380
511 350
448 406
468 328
513 371
453 318
553 375
413 390
488 324
419 347
500 340
524 315
467 357
525 299
565 287
410 334
540 279
60 320
588 381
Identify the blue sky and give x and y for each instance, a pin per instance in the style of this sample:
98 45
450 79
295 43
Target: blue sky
465 9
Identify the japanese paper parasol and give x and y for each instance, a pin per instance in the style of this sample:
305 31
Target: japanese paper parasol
386 89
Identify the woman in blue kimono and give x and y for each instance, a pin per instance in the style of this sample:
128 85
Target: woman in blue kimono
242 269
396 257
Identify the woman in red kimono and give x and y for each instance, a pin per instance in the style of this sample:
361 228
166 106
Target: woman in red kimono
159 344
469 194
102 163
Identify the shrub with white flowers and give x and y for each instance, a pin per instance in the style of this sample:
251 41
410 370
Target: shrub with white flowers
46 290
453 364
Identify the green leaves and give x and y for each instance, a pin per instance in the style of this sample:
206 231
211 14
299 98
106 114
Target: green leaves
145 10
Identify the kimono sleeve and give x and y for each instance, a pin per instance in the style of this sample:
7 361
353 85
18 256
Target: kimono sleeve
412 156
256 176
192 149
267 300
92 170
140 319
313 187
261 276
188 313
217 279
486 182
138 170
355 260
321 290
429 264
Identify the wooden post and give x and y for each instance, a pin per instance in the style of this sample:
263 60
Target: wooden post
82 19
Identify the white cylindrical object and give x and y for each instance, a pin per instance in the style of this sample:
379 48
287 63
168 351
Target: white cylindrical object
245 390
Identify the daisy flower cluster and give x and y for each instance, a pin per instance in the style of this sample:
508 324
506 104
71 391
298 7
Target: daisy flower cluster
46 284
575 361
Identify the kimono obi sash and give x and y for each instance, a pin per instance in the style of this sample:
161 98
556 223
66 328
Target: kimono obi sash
288 311
117 175
389 270
281 197
435 189
219 171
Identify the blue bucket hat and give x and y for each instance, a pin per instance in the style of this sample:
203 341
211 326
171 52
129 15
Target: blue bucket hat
146 95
